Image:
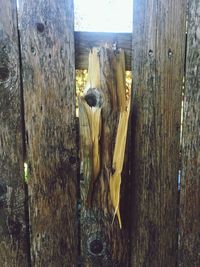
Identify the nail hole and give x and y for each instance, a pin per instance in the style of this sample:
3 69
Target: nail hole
170 53
150 53
72 160
40 27
33 50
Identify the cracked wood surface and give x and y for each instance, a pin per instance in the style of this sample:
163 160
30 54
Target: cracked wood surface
104 112
13 246
47 45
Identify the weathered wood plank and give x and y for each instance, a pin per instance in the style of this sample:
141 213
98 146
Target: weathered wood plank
190 186
158 61
103 115
84 41
12 215
47 44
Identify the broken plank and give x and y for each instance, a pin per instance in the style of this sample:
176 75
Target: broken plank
104 113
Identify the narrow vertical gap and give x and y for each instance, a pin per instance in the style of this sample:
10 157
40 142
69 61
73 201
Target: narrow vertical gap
181 141
79 88
182 101
78 194
133 115
26 205
157 13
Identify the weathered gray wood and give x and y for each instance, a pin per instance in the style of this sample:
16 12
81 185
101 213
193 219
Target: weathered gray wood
12 216
103 243
47 45
158 61
84 41
190 186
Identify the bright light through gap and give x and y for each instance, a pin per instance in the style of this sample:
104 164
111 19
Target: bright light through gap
103 15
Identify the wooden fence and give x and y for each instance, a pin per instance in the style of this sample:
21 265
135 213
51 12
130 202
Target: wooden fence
40 220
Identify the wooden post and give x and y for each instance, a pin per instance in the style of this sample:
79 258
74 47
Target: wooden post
158 68
190 186
13 239
103 114
47 45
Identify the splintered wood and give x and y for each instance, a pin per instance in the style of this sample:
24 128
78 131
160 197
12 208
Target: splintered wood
104 112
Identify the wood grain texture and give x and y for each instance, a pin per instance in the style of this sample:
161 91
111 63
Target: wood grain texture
190 185
47 45
12 215
84 41
158 66
103 243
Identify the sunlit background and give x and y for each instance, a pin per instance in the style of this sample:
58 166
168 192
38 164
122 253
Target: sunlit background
103 15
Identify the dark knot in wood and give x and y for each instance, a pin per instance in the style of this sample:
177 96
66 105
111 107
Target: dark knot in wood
4 73
96 247
3 190
93 97
72 160
91 100
40 27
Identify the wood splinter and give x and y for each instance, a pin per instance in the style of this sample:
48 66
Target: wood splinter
104 112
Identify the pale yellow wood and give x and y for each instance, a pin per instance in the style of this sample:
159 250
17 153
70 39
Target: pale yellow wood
93 70
118 160
114 103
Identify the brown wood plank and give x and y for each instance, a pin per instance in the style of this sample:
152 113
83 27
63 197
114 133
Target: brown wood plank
47 44
103 243
190 186
84 41
13 241
158 61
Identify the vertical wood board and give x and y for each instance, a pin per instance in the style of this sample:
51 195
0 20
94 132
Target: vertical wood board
190 185
158 65
13 246
47 45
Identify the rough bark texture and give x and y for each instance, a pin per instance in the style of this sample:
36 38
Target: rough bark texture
47 44
103 243
158 61
190 185
12 215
